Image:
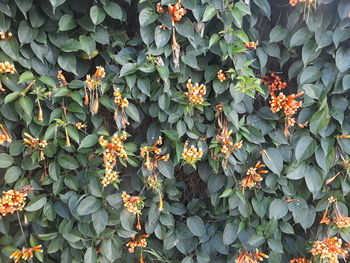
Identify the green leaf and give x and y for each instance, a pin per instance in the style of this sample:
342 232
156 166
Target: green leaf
161 36
305 147
185 28
11 97
90 255
26 76
100 220
88 206
166 168
68 63
37 203
278 209
300 37
48 81
66 23
319 120
26 34
209 13
313 180
273 160
278 33
132 112
97 15
147 17
241 35
12 174
88 141
264 6
230 233
68 162
196 225
213 40
127 69
87 44
24 6
113 10
56 3
297 171
171 134
275 245
310 74
342 59
6 160
26 105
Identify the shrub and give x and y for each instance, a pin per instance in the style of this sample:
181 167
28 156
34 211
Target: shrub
197 131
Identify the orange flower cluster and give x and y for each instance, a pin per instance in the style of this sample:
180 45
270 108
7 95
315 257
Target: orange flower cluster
176 11
3 35
4 136
80 125
252 45
295 2
160 9
225 140
340 220
288 103
25 253
249 257
140 242
300 260
221 76
13 200
119 100
191 155
195 92
110 153
6 67
253 177
35 144
152 162
329 248
92 85
274 83
133 204
61 78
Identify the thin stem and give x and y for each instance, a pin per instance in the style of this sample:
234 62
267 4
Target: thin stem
21 227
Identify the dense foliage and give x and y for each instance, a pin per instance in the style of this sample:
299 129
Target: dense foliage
134 131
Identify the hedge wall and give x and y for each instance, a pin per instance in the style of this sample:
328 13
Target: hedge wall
178 132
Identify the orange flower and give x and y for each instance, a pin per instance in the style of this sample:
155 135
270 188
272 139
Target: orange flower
295 2
152 161
25 253
160 9
112 150
221 76
253 177
6 67
133 204
274 83
177 11
140 242
191 155
195 92
35 144
249 257
300 260
80 125
61 77
329 248
252 45
344 136
119 100
4 136
12 201
3 35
